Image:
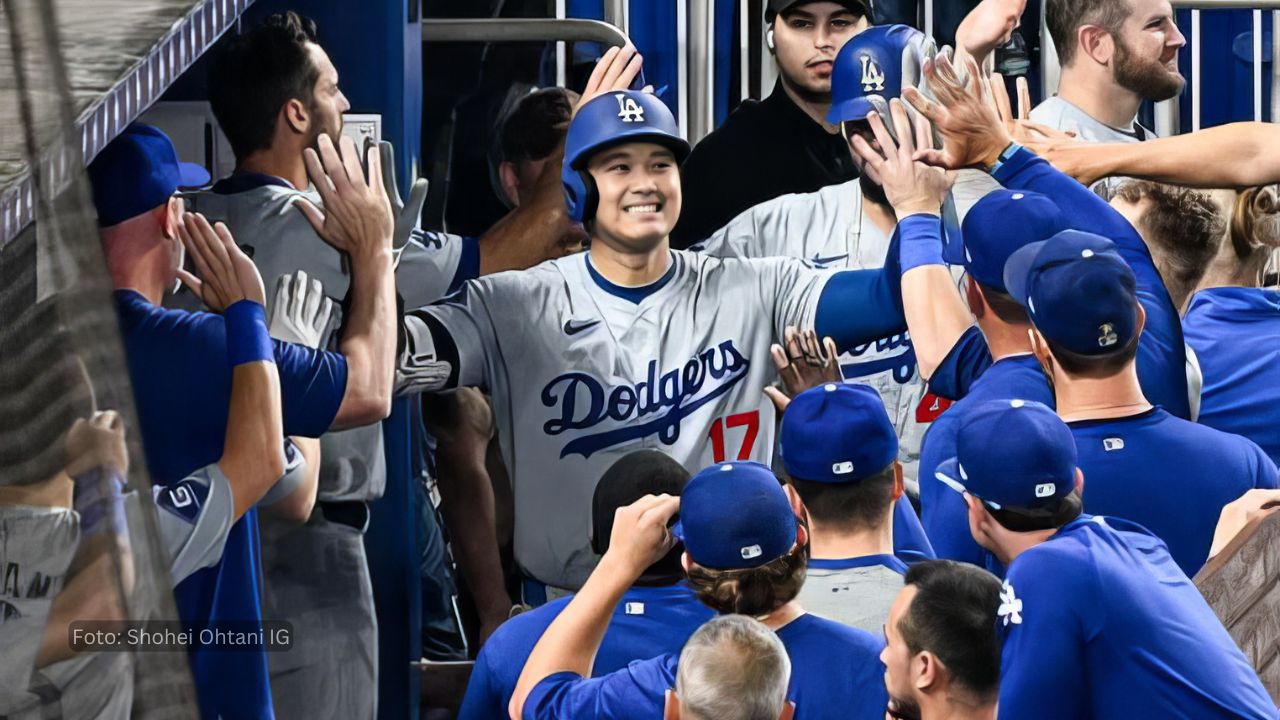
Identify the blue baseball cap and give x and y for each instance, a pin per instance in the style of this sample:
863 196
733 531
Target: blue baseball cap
837 433
1077 290
735 516
873 63
137 172
999 224
1012 454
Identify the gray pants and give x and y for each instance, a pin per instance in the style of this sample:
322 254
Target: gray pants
315 576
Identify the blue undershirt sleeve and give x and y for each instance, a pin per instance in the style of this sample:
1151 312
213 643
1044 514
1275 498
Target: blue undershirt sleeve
861 306
965 363
1161 353
312 384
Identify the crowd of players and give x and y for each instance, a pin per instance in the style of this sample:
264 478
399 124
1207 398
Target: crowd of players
950 315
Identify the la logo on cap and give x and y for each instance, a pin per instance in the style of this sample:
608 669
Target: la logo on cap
751 552
629 110
1107 335
872 75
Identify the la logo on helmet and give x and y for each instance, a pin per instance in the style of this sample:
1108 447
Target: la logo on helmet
872 75
629 110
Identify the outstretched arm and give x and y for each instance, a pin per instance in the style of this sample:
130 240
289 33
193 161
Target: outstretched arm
936 315
1238 155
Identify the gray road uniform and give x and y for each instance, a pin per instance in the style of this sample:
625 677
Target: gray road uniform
37 546
582 372
316 575
830 228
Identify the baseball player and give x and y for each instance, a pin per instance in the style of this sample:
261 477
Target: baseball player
840 455
1097 620
180 385
745 551
654 616
631 345
89 523
942 653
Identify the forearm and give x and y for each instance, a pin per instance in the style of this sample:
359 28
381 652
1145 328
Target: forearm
571 642
297 505
467 504
369 341
936 314
1235 155
527 235
252 456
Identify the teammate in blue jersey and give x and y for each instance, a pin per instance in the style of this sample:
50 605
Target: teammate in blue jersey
1098 621
975 136
1145 465
841 456
182 385
745 552
654 617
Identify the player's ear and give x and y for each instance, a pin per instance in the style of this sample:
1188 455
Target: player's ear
788 711
1080 482
510 180
671 706
897 480
924 670
686 562
1096 42
167 217
296 116
1142 319
973 297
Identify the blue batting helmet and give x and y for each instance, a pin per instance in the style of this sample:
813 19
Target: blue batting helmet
611 119
872 68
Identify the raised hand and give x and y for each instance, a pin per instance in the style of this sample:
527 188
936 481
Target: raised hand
910 185
989 25
97 443
357 215
972 131
301 311
407 215
224 274
616 70
804 363
640 535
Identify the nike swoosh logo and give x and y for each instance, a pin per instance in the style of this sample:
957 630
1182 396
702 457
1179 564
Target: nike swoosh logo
823 261
573 329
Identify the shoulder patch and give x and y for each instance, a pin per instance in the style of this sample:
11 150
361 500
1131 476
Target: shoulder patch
184 499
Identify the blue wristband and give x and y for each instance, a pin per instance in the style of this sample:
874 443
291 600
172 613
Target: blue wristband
99 500
247 338
920 241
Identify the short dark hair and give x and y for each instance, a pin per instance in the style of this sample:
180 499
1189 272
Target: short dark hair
1095 368
953 616
755 591
1064 18
848 506
631 477
255 74
535 125
1003 305
1049 517
1185 225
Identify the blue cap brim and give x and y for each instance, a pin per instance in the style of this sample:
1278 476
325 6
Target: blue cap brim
948 473
1017 269
850 110
191 175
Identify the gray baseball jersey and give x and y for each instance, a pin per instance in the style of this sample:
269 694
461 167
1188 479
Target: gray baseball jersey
1062 115
37 546
857 592
581 375
830 228
262 217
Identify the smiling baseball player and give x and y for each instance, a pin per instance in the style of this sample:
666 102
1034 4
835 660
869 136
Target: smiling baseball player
631 345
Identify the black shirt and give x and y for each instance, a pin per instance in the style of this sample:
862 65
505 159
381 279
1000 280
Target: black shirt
764 149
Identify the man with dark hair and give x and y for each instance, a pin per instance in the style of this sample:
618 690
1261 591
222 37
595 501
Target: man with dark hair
793 147
1097 621
1182 227
1146 465
1115 54
655 616
942 653
841 457
745 552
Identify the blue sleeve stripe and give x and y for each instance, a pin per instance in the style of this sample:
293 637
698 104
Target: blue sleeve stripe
468 264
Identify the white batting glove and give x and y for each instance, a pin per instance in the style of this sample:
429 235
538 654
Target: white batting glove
301 311
407 215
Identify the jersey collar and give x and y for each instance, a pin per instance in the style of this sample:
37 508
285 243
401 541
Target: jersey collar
889 561
634 295
243 181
